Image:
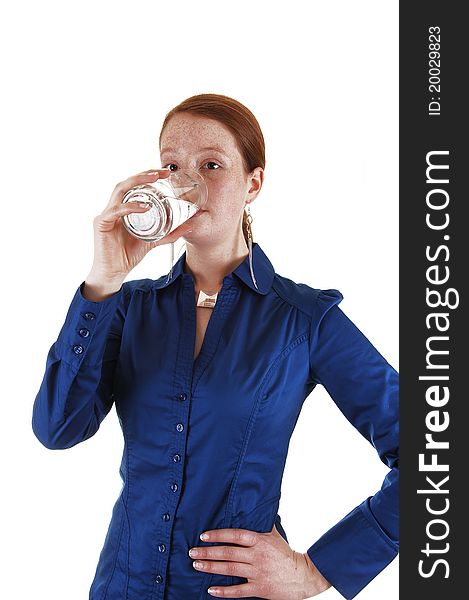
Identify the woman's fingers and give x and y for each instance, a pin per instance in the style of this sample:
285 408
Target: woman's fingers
180 231
109 216
123 187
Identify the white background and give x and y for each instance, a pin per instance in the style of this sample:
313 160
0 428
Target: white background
86 86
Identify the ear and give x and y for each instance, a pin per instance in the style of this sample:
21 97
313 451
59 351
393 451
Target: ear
255 181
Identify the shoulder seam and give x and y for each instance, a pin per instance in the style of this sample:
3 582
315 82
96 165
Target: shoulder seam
143 285
289 301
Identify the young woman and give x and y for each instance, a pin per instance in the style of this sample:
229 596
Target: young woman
208 393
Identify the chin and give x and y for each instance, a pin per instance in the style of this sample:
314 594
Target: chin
203 236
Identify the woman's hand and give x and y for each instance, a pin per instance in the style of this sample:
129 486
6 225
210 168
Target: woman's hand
274 571
116 251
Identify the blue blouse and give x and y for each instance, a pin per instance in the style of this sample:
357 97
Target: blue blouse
205 441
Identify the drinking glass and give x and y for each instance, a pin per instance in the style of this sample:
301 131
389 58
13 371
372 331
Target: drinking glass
173 200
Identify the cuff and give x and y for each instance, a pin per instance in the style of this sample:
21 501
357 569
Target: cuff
86 325
353 552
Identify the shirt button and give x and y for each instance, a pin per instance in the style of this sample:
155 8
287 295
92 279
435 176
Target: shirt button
162 547
78 349
174 487
90 316
177 458
182 397
158 579
84 332
166 517
180 427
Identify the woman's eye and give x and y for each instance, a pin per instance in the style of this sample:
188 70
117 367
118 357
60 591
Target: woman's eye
212 168
211 165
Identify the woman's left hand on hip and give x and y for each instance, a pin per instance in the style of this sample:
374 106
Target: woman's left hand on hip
273 570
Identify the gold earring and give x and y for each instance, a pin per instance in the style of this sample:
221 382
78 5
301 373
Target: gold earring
171 262
249 220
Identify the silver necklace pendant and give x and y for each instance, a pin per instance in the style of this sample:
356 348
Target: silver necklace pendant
207 300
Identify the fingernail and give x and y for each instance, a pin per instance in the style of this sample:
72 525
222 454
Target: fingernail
144 204
151 173
212 591
204 536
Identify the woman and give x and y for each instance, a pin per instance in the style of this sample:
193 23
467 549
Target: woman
208 393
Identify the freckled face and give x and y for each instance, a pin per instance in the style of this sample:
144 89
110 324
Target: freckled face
207 146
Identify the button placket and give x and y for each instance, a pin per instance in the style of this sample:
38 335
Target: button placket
179 417
181 407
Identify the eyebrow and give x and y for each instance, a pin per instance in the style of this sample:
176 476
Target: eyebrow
216 148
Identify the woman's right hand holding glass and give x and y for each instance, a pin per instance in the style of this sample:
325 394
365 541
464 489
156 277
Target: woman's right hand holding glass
116 251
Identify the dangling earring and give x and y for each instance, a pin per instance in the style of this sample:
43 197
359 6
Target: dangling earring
249 220
171 262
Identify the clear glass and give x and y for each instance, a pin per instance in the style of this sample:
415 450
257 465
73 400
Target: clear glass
173 199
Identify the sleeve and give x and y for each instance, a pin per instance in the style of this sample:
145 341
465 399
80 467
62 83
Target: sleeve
366 390
76 392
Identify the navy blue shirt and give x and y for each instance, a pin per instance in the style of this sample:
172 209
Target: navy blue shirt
205 441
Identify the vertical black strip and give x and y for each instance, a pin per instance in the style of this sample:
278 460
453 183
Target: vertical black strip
433 291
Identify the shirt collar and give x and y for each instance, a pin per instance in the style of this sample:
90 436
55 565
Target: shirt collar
263 271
